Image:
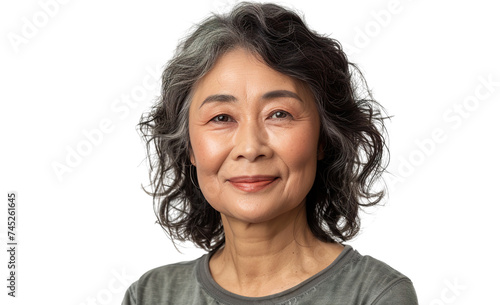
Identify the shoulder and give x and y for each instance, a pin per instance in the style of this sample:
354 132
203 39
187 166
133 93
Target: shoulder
169 273
371 281
373 268
389 285
161 283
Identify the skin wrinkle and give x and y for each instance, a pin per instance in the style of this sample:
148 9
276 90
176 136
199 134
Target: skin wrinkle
267 96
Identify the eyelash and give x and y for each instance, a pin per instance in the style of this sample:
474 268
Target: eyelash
215 118
218 118
288 115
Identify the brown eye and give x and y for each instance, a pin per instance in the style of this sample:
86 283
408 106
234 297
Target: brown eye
280 115
221 118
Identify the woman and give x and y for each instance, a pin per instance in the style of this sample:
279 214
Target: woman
265 148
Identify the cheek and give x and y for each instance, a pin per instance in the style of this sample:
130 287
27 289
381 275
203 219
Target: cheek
299 148
208 153
302 163
299 153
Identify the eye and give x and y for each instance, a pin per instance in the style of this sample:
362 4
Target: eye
280 114
221 118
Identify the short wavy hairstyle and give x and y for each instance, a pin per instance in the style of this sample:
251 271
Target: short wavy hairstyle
352 132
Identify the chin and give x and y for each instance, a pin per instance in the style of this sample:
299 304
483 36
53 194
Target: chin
258 214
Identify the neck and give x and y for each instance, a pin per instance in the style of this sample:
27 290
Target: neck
266 258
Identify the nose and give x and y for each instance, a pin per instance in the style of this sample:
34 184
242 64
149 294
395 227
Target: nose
251 141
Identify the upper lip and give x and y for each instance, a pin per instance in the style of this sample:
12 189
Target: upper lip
251 179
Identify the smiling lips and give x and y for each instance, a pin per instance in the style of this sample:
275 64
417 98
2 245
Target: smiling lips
252 183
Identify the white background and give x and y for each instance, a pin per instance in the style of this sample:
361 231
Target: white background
90 231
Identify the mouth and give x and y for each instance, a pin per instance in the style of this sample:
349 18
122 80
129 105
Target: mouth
252 184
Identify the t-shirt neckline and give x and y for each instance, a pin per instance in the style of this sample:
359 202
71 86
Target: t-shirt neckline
206 280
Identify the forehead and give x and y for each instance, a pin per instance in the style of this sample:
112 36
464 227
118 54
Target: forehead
245 75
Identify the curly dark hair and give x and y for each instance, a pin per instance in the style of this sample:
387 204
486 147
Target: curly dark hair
351 134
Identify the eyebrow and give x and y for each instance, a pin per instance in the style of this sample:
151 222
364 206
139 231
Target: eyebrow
267 96
218 98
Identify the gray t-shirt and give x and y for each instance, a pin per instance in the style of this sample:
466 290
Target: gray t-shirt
351 279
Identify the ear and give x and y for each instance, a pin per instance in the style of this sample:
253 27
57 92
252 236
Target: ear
191 157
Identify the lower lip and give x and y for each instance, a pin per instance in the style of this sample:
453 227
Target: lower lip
251 187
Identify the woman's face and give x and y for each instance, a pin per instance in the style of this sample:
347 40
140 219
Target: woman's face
254 137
